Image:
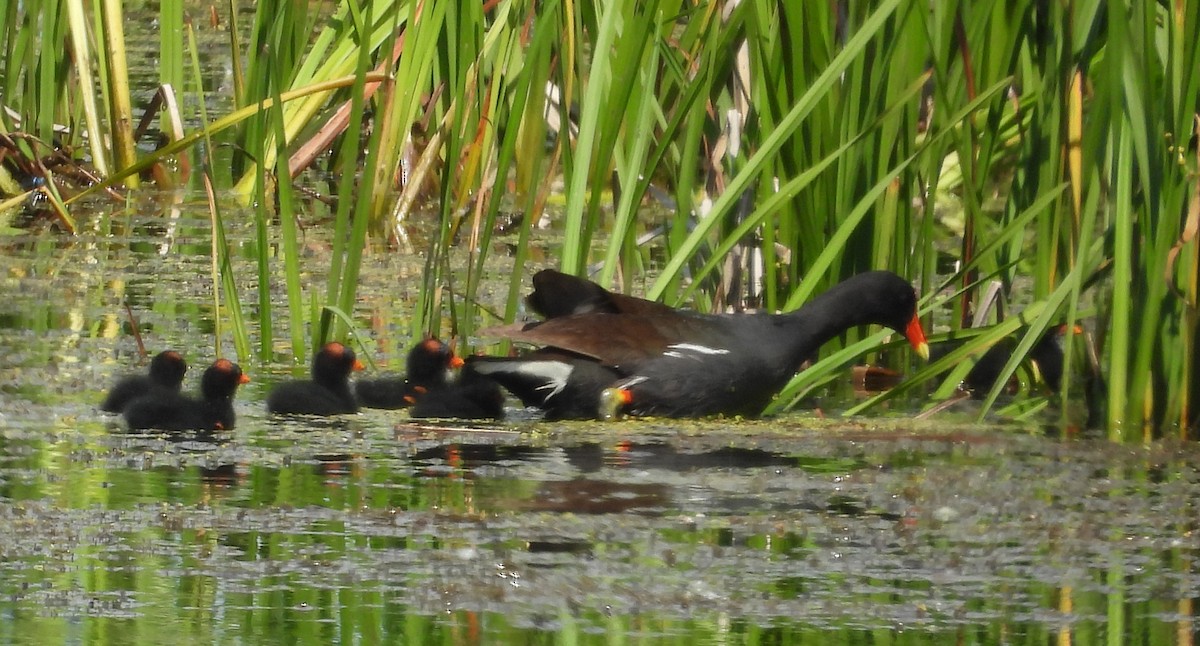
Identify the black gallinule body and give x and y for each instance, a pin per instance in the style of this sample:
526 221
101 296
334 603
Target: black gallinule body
327 393
165 377
665 362
429 367
176 412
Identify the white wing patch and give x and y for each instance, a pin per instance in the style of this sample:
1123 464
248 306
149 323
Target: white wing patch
691 350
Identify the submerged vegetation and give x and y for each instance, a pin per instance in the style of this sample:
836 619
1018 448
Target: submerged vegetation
775 147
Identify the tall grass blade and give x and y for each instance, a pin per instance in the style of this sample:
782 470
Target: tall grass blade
289 235
591 118
223 277
120 106
82 54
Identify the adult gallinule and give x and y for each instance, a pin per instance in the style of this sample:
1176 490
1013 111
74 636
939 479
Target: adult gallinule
176 412
658 361
165 377
327 393
429 366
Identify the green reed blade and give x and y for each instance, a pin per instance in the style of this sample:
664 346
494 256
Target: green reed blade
170 43
81 51
347 322
591 120
631 165
222 262
120 106
289 236
235 56
347 246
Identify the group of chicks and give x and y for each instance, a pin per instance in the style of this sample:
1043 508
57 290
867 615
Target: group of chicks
430 389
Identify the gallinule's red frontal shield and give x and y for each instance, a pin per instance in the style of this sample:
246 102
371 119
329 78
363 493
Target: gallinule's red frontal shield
676 363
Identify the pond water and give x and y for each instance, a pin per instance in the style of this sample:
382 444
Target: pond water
372 528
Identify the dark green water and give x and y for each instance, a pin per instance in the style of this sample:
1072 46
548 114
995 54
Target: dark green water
372 529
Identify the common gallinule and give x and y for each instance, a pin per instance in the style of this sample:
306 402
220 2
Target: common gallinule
658 361
177 412
165 377
327 393
429 366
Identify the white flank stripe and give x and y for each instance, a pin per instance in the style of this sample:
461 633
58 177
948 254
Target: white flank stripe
631 381
694 348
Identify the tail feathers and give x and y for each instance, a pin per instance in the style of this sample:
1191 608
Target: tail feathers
536 382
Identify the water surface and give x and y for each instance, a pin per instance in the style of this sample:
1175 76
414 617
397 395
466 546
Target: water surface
374 529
